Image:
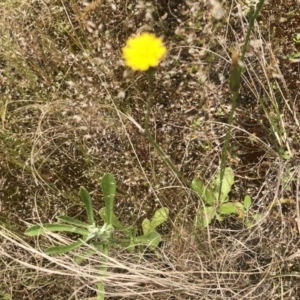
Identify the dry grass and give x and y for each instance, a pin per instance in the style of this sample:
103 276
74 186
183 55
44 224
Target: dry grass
70 111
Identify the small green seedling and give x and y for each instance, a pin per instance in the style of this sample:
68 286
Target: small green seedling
294 57
284 153
290 14
195 124
103 237
297 39
216 202
244 212
274 85
288 177
4 296
149 227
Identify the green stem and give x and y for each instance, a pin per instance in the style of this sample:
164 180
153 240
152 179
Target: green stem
251 24
235 79
164 157
102 273
114 240
227 138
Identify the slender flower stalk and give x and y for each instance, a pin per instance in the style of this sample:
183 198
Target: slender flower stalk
165 158
234 84
143 53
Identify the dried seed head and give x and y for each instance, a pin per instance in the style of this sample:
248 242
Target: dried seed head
235 75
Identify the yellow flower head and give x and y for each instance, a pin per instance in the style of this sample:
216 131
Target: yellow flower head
143 51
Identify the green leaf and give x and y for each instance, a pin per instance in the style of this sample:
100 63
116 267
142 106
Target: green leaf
63 249
115 221
227 182
294 56
219 217
209 197
284 153
240 210
6 296
73 221
247 202
38 230
152 239
257 217
160 216
198 187
146 226
131 246
133 233
248 223
109 191
86 198
205 216
227 208
254 218
202 191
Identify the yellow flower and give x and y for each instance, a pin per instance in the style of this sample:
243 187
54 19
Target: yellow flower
143 51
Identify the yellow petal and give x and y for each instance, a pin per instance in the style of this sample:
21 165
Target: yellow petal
143 51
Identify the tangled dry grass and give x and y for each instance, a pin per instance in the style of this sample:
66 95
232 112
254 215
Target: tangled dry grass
71 111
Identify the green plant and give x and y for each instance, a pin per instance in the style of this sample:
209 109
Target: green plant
297 39
103 237
284 153
195 124
294 56
216 202
4 296
288 177
244 212
275 85
290 14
